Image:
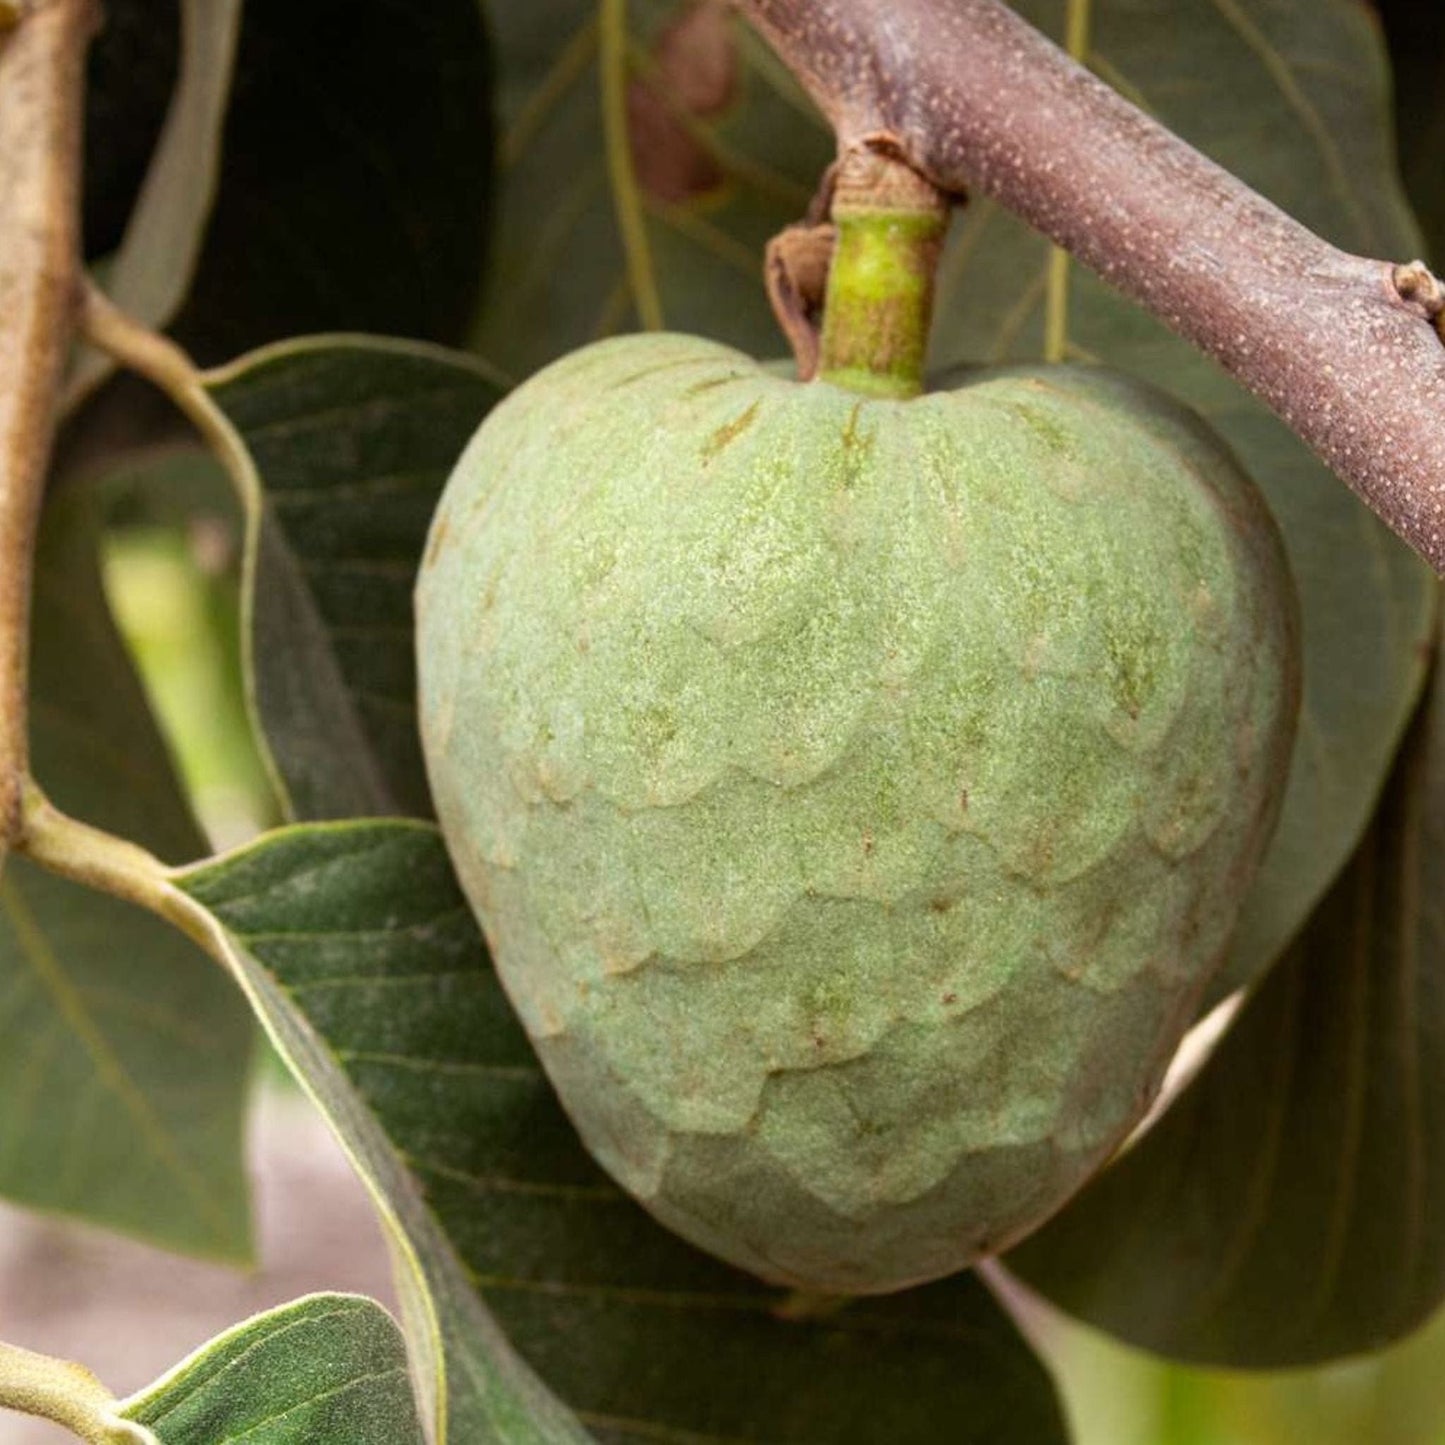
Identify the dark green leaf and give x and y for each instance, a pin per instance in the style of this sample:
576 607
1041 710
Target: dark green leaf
1288 1209
327 1370
327 896
368 966
720 169
124 1050
356 172
351 440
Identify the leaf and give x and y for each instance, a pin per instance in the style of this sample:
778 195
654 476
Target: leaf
1307 74
289 895
150 274
329 1369
351 440
124 1050
362 957
1290 1208
727 152
354 186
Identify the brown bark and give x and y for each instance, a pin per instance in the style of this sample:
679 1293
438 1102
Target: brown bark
42 90
975 99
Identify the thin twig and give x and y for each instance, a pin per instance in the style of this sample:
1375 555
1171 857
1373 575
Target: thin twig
67 1394
977 100
96 859
169 368
42 91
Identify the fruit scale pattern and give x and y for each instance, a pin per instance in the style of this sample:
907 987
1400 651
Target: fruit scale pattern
856 794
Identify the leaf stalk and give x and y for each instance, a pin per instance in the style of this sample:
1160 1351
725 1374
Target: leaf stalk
67 1394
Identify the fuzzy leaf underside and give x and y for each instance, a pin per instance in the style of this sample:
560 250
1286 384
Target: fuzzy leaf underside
324 1370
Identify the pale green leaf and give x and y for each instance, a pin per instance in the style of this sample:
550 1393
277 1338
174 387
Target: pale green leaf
124 1050
360 953
325 1370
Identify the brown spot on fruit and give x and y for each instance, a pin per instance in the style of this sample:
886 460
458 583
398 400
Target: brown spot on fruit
436 541
729 432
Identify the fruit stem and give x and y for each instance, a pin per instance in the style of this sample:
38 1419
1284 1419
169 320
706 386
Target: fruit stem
879 303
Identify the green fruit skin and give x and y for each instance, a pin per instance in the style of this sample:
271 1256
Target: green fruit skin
857 794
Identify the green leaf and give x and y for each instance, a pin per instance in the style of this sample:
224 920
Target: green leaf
350 440
355 179
1307 74
1288 1209
151 272
362 957
323 894
720 168
329 1369
124 1050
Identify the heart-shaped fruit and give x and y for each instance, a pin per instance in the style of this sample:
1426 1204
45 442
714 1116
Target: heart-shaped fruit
857 794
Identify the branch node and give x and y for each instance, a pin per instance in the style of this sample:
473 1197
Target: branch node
1420 288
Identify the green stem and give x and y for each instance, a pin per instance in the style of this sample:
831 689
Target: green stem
879 303
67 1394
100 860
